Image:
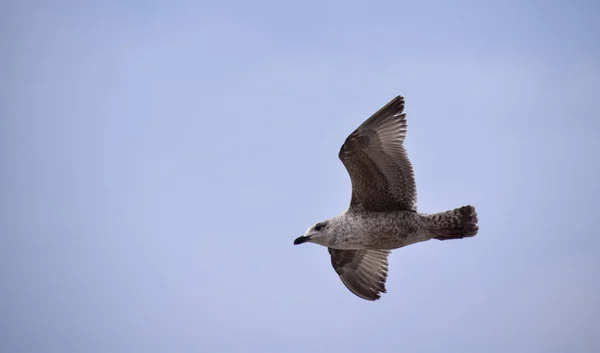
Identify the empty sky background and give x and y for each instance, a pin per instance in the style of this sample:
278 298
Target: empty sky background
159 158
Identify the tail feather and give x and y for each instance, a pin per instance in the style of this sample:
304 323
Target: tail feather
455 224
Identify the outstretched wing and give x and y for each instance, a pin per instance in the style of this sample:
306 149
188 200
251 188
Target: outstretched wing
374 156
363 272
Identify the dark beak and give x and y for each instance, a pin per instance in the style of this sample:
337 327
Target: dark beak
301 240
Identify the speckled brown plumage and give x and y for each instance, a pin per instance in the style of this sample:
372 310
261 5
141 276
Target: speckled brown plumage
383 209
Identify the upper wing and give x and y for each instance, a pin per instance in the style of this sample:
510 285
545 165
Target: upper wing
363 272
374 156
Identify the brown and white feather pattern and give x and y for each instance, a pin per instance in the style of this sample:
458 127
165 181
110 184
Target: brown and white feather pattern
363 272
382 214
374 156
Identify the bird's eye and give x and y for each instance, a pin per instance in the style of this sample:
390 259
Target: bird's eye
319 226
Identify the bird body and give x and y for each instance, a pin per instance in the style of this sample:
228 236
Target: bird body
374 230
383 208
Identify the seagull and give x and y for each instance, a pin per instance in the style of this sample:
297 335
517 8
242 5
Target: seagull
382 215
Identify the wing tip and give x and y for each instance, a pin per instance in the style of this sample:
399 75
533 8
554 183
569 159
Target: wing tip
397 103
393 108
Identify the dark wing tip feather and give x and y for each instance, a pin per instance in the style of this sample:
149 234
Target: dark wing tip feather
394 107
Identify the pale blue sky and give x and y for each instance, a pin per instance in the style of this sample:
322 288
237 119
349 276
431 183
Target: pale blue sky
158 159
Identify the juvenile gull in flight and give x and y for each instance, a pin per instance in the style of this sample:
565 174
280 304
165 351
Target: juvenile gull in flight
383 209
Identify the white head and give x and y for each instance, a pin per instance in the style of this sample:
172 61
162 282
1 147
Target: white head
320 233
